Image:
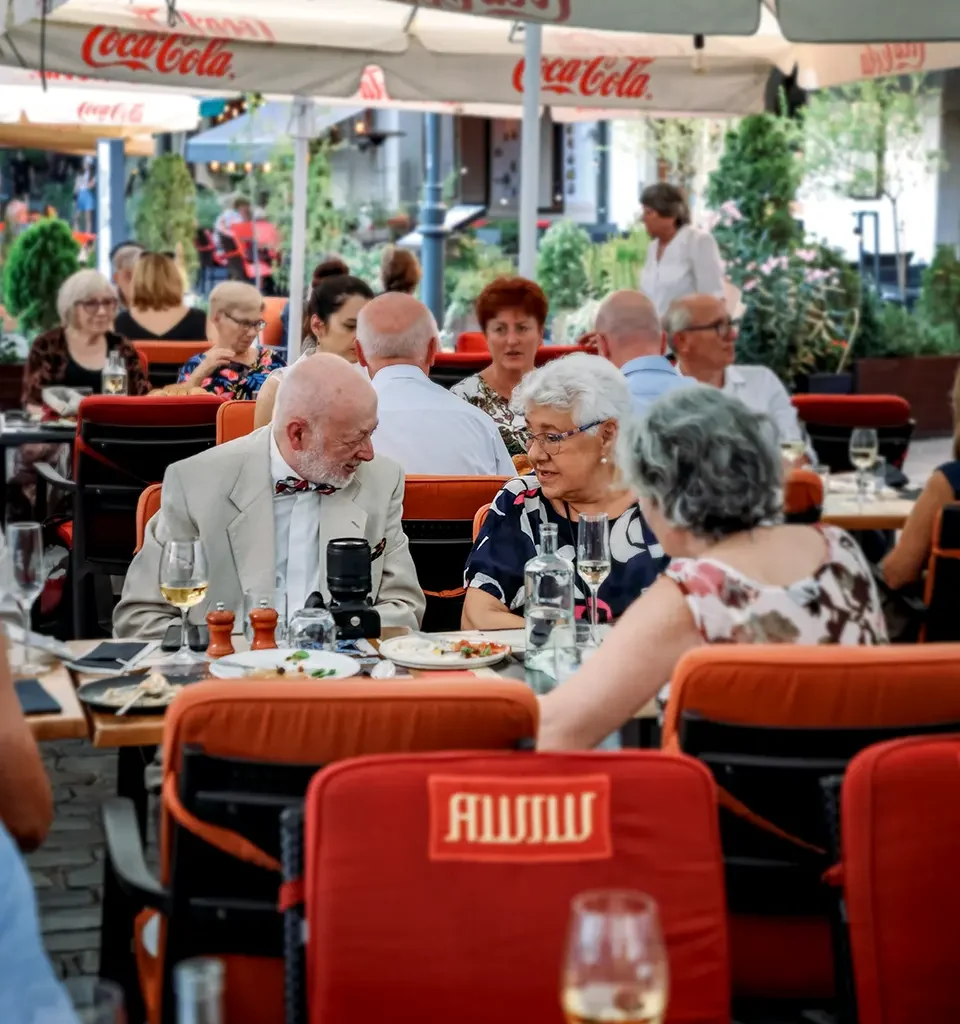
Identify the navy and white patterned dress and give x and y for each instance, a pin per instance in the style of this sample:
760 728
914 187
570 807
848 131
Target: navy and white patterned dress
511 537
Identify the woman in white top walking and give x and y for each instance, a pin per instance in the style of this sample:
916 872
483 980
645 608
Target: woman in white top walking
682 260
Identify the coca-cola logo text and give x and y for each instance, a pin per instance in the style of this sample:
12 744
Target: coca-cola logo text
892 59
607 77
372 85
160 54
556 12
111 113
216 28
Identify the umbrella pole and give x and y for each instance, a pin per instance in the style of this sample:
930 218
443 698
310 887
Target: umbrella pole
251 184
530 150
432 215
298 234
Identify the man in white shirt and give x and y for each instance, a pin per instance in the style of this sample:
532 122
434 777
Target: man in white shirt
422 426
266 505
704 339
630 335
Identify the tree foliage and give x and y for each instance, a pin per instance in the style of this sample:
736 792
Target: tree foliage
166 215
38 263
560 265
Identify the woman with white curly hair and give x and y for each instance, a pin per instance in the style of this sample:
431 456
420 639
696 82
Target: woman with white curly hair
708 472
573 409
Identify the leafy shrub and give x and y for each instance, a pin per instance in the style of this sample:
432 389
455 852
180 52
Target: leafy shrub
166 215
490 263
940 295
38 263
560 265
616 263
903 333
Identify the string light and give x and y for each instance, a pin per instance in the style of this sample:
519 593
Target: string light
214 166
361 127
248 167
268 167
231 168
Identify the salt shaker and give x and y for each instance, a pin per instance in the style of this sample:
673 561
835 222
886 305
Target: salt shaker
220 627
264 622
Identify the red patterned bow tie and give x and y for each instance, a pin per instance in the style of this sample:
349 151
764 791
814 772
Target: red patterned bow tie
294 485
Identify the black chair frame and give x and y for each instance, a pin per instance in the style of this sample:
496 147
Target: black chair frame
439 548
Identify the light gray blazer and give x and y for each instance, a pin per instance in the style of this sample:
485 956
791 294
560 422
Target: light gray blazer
224 496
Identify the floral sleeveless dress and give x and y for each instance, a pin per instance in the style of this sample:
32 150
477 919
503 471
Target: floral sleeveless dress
838 604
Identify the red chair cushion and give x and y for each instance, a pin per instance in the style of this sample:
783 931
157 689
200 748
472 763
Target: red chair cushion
65 533
437 919
853 410
472 341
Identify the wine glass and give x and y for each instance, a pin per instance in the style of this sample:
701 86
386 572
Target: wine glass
593 561
864 447
616 961
27 577
794 449
183 583
198 983
106 1005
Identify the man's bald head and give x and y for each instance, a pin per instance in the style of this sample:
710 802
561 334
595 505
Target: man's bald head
396 328
323 418
702 337
628 327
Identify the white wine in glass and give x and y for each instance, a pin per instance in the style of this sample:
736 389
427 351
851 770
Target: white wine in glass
793 449
183 583
593 561
616 960
863 451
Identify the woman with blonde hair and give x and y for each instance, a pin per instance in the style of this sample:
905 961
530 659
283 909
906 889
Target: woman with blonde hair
906 562
157 310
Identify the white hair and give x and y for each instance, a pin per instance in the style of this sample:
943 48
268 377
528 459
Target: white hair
678 317
411 343
125 258
592 389
78 287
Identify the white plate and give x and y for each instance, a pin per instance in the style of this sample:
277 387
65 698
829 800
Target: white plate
236 666
419 652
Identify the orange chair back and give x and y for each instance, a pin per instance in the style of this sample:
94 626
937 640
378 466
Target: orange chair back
174 353
479 519
652 825
235 419
900 813
287 723
943 578
448 497
272 336
147 507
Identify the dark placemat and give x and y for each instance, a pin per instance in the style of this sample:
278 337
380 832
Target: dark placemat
34 698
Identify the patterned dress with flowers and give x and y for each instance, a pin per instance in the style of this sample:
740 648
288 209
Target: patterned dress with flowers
235 379
511 537
511 424
838 604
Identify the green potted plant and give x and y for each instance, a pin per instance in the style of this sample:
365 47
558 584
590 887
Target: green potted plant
561 270
166 213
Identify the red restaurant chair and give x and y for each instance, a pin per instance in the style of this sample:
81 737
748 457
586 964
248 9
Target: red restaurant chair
234 759
450 920
900 828
450 368
235 419
273 336
148 505
473 341
830 419
803 496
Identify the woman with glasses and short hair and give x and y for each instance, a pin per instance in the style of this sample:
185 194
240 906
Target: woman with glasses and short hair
573 408
234 364
157 309
74 354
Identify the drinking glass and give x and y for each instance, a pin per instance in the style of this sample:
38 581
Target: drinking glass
198 983
27 576
616 960
879 478
593 561
312 629
864 447
183 583
106 1006
794 449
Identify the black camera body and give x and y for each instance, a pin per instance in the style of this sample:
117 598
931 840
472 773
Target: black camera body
349 583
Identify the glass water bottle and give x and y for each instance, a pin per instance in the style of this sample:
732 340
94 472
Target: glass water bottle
198 984
114 379
549 613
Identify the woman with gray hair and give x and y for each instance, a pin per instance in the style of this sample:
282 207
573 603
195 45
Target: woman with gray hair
74 354
681 259
573 409
709 474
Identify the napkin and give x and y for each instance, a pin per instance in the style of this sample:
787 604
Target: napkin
63 401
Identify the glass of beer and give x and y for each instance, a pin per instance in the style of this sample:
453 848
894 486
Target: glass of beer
183 583
616 961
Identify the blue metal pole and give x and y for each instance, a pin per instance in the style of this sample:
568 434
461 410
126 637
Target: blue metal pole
432 214
111 222
603 172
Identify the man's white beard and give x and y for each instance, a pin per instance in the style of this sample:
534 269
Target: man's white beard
320 470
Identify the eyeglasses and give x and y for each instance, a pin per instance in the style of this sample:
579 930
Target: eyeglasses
723 327
95 305
550 443
254 326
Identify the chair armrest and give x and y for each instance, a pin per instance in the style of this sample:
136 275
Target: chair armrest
125 850
54 478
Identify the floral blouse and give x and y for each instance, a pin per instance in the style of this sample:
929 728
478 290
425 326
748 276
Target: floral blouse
838 604
478 392
511 537
235 379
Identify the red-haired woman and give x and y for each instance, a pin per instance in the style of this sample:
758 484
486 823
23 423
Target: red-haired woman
511 312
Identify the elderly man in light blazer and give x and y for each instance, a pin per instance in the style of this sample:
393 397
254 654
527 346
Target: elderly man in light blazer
266 505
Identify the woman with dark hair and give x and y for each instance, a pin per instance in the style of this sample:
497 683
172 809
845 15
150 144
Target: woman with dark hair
512 312
681 260
399 270
329 325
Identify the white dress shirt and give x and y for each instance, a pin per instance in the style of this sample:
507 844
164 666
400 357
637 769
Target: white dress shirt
429 431
690 265
760 389
296 532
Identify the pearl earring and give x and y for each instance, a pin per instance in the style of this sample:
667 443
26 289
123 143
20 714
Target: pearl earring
603 461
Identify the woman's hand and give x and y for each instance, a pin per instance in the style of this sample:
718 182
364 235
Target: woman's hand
213 358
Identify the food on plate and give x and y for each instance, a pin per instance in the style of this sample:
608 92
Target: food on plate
155 692
472 648
295 670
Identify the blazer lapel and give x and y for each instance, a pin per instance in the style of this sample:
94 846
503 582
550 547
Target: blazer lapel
340 516
251 532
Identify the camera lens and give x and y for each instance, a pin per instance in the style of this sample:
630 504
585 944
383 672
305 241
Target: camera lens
348 569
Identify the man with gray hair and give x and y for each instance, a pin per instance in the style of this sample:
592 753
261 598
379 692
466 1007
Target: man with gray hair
266 505
422 426
629 334
123 260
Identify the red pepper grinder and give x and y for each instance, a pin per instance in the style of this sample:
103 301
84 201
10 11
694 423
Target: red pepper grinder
220 626
264 622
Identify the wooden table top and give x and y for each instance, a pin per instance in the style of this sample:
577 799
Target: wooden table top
71 723
886 514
